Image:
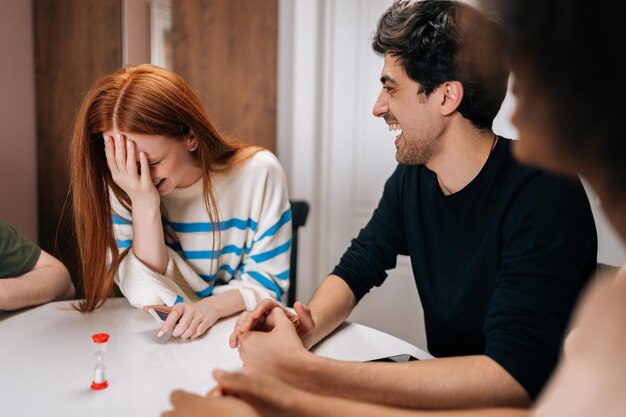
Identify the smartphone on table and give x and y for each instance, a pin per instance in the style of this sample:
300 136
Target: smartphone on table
159 316
396 358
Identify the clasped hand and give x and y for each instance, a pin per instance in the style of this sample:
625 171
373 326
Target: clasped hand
256 320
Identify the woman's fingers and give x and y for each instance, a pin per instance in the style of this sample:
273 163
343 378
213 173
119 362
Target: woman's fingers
187 321
184 322
193 326
109 152
129 168
202 328
145 169
131 159
120 152
171 320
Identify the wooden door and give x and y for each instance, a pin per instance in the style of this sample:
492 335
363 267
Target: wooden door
227 51
76 42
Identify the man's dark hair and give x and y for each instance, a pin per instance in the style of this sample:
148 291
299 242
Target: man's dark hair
574 51
442 40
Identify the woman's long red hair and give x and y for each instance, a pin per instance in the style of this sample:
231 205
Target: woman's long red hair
147 100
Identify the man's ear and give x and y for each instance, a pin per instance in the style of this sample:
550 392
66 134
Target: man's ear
451 97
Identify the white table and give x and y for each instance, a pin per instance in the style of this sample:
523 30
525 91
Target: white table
47 360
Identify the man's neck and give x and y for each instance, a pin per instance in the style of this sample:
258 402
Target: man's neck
462 152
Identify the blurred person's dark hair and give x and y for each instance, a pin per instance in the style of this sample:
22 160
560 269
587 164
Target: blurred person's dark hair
574 52
429 37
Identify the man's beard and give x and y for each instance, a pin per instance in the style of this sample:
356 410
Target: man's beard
416 151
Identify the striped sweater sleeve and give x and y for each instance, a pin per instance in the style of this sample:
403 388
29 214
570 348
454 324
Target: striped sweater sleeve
139 284
264 270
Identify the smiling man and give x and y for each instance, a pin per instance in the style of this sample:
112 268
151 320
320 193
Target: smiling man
499 251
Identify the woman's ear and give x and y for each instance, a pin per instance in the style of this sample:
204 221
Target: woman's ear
452 97
192 141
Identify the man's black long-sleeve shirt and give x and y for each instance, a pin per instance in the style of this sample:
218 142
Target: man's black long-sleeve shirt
498 265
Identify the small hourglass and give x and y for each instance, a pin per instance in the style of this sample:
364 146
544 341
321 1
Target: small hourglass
99 379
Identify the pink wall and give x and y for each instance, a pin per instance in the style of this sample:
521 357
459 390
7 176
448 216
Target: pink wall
18 168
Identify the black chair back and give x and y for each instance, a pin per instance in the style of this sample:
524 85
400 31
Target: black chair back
299 214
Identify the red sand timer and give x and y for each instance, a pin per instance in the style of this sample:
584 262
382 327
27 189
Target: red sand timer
99 379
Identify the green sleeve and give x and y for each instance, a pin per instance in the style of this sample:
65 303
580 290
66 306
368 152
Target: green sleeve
18 255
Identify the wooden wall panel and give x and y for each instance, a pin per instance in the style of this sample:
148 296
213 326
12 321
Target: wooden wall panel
76 42
227 51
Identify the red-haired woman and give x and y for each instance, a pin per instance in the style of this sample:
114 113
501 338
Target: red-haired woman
177 215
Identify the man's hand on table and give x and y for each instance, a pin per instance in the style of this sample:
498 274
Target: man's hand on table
277 351
240 395
268 395
256 320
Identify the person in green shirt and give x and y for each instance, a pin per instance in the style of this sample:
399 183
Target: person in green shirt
28 275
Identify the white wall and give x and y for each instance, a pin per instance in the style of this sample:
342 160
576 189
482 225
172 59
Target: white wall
298 124
18 168
337 155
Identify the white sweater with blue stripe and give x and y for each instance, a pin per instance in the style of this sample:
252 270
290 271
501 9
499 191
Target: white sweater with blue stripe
255 243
